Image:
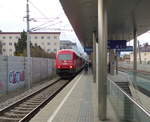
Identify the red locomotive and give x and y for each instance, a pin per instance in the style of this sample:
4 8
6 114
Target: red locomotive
68 62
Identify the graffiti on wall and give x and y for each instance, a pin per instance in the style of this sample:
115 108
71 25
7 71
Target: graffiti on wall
16 77
1 85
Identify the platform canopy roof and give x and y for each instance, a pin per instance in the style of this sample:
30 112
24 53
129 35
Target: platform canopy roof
122 15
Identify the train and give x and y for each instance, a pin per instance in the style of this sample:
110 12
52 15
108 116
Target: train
68 62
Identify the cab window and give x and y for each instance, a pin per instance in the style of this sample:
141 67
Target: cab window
65 57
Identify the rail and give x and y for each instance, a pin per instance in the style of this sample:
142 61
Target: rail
23 110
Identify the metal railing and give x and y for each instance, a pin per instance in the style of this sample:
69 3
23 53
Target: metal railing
135 88
126 108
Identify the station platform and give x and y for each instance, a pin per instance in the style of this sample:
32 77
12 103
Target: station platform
77 102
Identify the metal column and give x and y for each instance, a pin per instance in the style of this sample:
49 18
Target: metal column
116 57
139 53
28 49
94 57
102 60
135 52
112 61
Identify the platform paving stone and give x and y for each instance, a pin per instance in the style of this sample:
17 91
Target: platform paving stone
80 106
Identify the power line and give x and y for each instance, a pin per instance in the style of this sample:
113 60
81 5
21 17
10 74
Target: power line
38 10
50 20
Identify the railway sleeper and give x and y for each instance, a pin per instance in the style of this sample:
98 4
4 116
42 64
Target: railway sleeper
23 109
27 106
30 103
5 119
39 99
11 114
19 112
34 100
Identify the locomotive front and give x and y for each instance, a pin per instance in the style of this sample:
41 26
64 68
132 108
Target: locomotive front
65 63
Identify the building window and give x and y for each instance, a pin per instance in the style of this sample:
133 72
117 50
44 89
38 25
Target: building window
10 43
4 43
35 37
48 50
48 37
48 43
55 43
42 37
55 50
4 50
10 37
4 37
10 50
55 37
17 37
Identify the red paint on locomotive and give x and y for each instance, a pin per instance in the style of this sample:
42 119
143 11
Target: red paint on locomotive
68 62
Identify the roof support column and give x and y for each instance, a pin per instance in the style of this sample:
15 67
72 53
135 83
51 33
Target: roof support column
94 57
112 61
102 60
116 57
135 52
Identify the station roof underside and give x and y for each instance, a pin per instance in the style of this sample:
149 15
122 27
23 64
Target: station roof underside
122 15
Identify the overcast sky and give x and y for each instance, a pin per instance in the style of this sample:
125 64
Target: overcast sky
47 13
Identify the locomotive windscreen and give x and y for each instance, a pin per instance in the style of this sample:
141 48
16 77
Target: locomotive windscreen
65 57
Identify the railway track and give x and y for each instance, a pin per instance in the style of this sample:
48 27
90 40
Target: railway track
24 109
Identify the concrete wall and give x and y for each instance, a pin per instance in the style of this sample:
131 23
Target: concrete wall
15 70
13 76
3 74
42 69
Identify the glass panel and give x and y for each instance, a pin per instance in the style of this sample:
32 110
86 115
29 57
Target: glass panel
141 87
126 108
65 57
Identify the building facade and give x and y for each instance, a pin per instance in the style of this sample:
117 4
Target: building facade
144 55
49 41
67 44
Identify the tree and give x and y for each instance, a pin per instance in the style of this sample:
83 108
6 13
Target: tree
0 47
36 51
21 45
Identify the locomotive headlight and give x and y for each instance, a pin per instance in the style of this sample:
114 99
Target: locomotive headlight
71 67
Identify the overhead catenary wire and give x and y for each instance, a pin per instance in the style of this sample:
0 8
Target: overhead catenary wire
48 22
38 10
45 17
